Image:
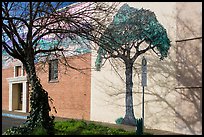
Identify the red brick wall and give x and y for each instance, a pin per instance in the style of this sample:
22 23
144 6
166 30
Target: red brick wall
71 94
6 73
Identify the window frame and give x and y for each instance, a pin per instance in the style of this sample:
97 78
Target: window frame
53 71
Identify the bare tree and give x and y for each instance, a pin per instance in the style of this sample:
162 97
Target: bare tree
25 24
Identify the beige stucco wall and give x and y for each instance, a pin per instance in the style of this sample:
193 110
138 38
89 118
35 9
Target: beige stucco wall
161 98
189 70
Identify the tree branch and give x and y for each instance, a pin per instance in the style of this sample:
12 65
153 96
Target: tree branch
17 51
137 50
49 50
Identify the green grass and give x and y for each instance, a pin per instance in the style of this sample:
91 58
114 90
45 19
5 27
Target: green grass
74 127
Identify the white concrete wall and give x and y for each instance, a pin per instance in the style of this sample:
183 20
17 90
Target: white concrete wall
161 98
108 108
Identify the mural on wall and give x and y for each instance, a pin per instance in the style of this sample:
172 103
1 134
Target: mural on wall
132 25
131 33
71 48
72 45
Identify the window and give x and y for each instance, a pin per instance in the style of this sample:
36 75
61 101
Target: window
53 70
17 71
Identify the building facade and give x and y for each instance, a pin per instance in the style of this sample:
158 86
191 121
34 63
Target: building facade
173 96
70 90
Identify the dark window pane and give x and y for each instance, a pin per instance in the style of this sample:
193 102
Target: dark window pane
18 71
53 70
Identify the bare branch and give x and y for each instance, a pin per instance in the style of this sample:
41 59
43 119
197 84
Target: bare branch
195 38
49 50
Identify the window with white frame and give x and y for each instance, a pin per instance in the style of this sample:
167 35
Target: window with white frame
19 71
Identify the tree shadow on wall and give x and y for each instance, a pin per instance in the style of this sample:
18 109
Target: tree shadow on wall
173 97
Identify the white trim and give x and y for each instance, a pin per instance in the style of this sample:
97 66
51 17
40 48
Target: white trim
24 103
10 96
17 79
14 73
23 80
21 70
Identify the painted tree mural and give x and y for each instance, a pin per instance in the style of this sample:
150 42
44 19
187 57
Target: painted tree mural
33 30
132 33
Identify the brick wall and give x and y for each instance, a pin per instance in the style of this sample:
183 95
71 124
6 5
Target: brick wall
71 94
6 73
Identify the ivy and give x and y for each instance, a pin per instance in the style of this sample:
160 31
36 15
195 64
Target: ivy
39 114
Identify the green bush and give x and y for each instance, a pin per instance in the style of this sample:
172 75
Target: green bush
74 127
71 127
20 130
39 131
119 120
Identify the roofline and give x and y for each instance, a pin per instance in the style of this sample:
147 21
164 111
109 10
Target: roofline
63 8
70 6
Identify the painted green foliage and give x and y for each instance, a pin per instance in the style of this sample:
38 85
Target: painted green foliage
75 46
131 24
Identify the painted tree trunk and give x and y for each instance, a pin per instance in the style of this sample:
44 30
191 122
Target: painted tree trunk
39 113
129 118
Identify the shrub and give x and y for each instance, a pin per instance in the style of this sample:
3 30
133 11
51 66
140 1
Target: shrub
20 130
119 120
39 131
71 127
74 127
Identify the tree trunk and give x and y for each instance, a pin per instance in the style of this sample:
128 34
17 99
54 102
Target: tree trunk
129 118
39 113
